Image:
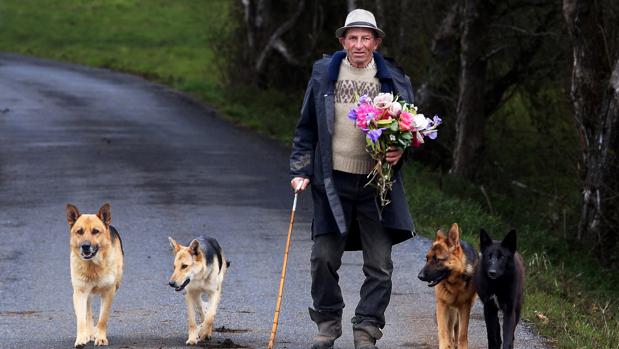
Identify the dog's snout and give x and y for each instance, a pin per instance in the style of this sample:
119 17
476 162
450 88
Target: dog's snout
422 275
492 273
172 283
86 246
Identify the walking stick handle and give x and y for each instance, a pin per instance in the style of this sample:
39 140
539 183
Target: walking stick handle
284 265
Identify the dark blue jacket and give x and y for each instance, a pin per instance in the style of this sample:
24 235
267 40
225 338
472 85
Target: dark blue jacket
312 155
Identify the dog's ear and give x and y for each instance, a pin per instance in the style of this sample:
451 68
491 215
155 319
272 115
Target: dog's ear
175 246
454 235
72 214
509 242
484 239
104 214
194 247
440 235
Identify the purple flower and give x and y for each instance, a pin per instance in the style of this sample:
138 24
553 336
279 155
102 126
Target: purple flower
432 134
373 135
352 114
437 120
364 99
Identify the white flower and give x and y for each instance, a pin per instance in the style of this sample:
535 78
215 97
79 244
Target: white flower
395 109
383 100
420 122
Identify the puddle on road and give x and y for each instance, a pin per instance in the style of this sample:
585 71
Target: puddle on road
27 313
227 343
224 329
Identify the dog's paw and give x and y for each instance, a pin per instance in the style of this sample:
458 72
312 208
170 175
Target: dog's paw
101 341
82 340
192 340
206 331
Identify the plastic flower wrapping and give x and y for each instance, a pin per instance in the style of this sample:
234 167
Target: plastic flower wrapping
388 122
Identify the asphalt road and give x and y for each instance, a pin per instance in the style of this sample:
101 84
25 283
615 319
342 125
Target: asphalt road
168 166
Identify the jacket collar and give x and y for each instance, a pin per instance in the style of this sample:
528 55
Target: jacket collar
383 72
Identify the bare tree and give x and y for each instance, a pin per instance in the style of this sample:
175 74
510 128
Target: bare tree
485 39
595 98
472 86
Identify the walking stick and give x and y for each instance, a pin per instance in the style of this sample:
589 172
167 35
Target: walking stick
283 278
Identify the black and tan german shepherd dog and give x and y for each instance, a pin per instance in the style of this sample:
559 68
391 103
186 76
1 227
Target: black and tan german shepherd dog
499 282
450 267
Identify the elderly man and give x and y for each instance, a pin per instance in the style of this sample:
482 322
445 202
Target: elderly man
329 152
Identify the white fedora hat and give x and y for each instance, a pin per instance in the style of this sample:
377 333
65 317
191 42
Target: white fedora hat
359 19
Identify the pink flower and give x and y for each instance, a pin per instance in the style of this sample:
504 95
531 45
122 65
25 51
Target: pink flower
406 121
383 100
366 113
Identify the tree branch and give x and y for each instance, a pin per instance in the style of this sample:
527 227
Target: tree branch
275 37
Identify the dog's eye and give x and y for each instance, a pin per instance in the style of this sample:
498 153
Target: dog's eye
80 232
183 266
95 232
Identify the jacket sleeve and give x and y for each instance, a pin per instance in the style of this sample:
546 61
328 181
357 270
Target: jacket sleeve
305 138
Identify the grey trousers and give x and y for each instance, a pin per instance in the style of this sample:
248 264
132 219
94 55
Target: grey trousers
360 208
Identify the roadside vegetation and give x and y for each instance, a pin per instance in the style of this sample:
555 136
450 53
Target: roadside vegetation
530 178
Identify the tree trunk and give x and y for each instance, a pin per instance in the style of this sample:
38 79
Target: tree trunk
470 109
595 96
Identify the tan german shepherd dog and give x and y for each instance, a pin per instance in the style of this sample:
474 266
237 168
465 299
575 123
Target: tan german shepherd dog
450 266
199 268
96 269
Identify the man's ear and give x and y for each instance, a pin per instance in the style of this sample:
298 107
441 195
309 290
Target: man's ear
484 239
379 41
104 214
342 40
194 247
509 242
175 246
72 214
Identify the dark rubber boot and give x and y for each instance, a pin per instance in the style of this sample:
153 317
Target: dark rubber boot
329 328
366 335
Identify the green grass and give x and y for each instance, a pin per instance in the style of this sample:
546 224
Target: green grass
570 297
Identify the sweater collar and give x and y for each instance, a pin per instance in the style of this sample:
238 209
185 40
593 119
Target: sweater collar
336 60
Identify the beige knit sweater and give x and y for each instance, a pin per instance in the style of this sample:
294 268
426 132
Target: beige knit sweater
348 143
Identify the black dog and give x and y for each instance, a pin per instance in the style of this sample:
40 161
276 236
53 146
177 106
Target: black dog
499 282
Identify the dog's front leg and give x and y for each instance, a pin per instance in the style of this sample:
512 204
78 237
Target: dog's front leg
84 325
107 296
89 319
191 319
445 329
464 313
206 330
492 324
509 327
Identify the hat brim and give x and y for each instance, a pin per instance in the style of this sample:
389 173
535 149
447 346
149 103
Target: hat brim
340 32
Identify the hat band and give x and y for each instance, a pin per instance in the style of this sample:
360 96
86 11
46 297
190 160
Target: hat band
364 24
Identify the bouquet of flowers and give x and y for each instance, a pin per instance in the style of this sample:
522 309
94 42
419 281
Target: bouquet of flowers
389 122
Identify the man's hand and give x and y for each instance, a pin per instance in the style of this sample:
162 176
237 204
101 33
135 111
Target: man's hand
295 182
394 154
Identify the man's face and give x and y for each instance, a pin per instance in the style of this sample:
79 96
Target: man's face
360 43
